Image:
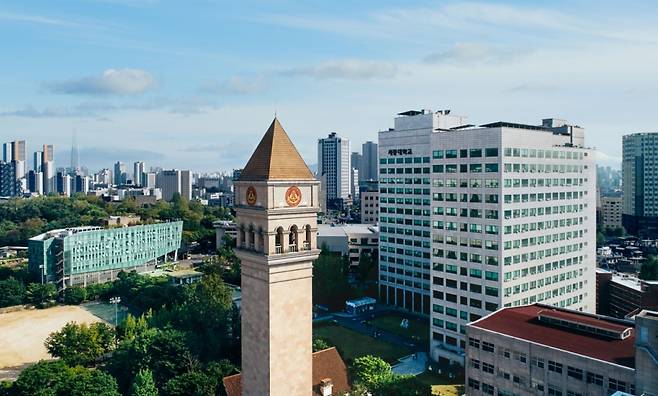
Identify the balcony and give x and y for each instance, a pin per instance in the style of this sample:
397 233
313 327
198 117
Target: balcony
293 248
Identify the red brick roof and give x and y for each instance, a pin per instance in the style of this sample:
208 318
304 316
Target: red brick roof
522 322
326 364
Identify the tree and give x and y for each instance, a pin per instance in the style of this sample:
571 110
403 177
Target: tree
373 375
169 355
80 344
75 295
130 327
320 344
330 285
143 384
219 370
42 295
649 269
55 378
368 267
12 292
85 382
44 378
194 383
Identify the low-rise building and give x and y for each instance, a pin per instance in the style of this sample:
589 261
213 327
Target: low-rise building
349 239
369 206
122 221
611 212
224 228
620 295
184 277
541 349
86 255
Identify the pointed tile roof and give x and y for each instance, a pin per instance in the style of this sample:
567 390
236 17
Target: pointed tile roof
276 158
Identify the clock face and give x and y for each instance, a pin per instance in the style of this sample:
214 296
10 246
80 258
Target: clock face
293 196
251 196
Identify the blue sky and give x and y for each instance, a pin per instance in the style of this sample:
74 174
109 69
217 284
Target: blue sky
194 84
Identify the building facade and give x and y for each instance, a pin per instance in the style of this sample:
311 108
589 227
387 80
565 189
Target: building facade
139 174
10 186
369 161
640 183
498 215
611 212
620 295
350 240
120 173
334 161
542 350
369 204
86 255
276 214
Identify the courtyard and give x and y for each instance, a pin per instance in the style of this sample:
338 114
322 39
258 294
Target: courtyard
23 333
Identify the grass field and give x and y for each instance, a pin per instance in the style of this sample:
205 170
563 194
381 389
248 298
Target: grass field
351 344
23 333
391 323
441 384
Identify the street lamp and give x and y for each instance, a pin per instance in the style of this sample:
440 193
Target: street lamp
115 301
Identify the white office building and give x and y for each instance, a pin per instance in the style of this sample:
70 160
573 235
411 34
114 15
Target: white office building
334 161
175 181
513 217
139 169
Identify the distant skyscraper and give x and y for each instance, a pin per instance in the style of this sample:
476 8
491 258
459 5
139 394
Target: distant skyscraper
6 152
356 160
139 169
75 160
10 186
640 184
48 168
369 157
120 175
334 162
38 161
175 181
186 184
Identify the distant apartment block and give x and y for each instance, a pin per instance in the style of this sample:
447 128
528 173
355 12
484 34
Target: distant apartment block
370 205
86 255
175 181
334 162
640 184
611 212
543 350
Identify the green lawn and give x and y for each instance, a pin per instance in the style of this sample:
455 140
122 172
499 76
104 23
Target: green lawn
441 384
352 344
391 323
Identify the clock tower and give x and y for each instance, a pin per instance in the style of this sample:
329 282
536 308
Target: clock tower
276 201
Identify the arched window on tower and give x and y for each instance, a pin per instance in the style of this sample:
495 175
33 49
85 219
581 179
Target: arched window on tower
260 243
241 235
278 241
251 238
307 241
293 238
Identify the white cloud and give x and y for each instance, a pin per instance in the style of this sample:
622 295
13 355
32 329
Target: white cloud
350 69
111 82
475 53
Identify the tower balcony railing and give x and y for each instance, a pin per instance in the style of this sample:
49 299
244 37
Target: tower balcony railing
278 249
293 248
306 246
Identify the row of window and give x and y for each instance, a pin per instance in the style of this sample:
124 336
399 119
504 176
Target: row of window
404 160
537 153
465 153
465 183
404 171
400 180
464 168
556 182
525 167
465 241
538 269
406 190
403 231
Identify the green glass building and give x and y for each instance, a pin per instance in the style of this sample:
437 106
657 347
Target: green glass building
85 255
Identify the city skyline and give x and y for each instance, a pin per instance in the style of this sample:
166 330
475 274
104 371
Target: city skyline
138 84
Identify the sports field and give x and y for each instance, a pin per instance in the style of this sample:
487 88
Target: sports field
22 334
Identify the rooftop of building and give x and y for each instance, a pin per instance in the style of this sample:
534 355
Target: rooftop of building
276 158
327 364
65 232
339 230
574 334
627 280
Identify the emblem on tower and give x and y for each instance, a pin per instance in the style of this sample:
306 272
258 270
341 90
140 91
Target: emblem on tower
293 196
251 196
